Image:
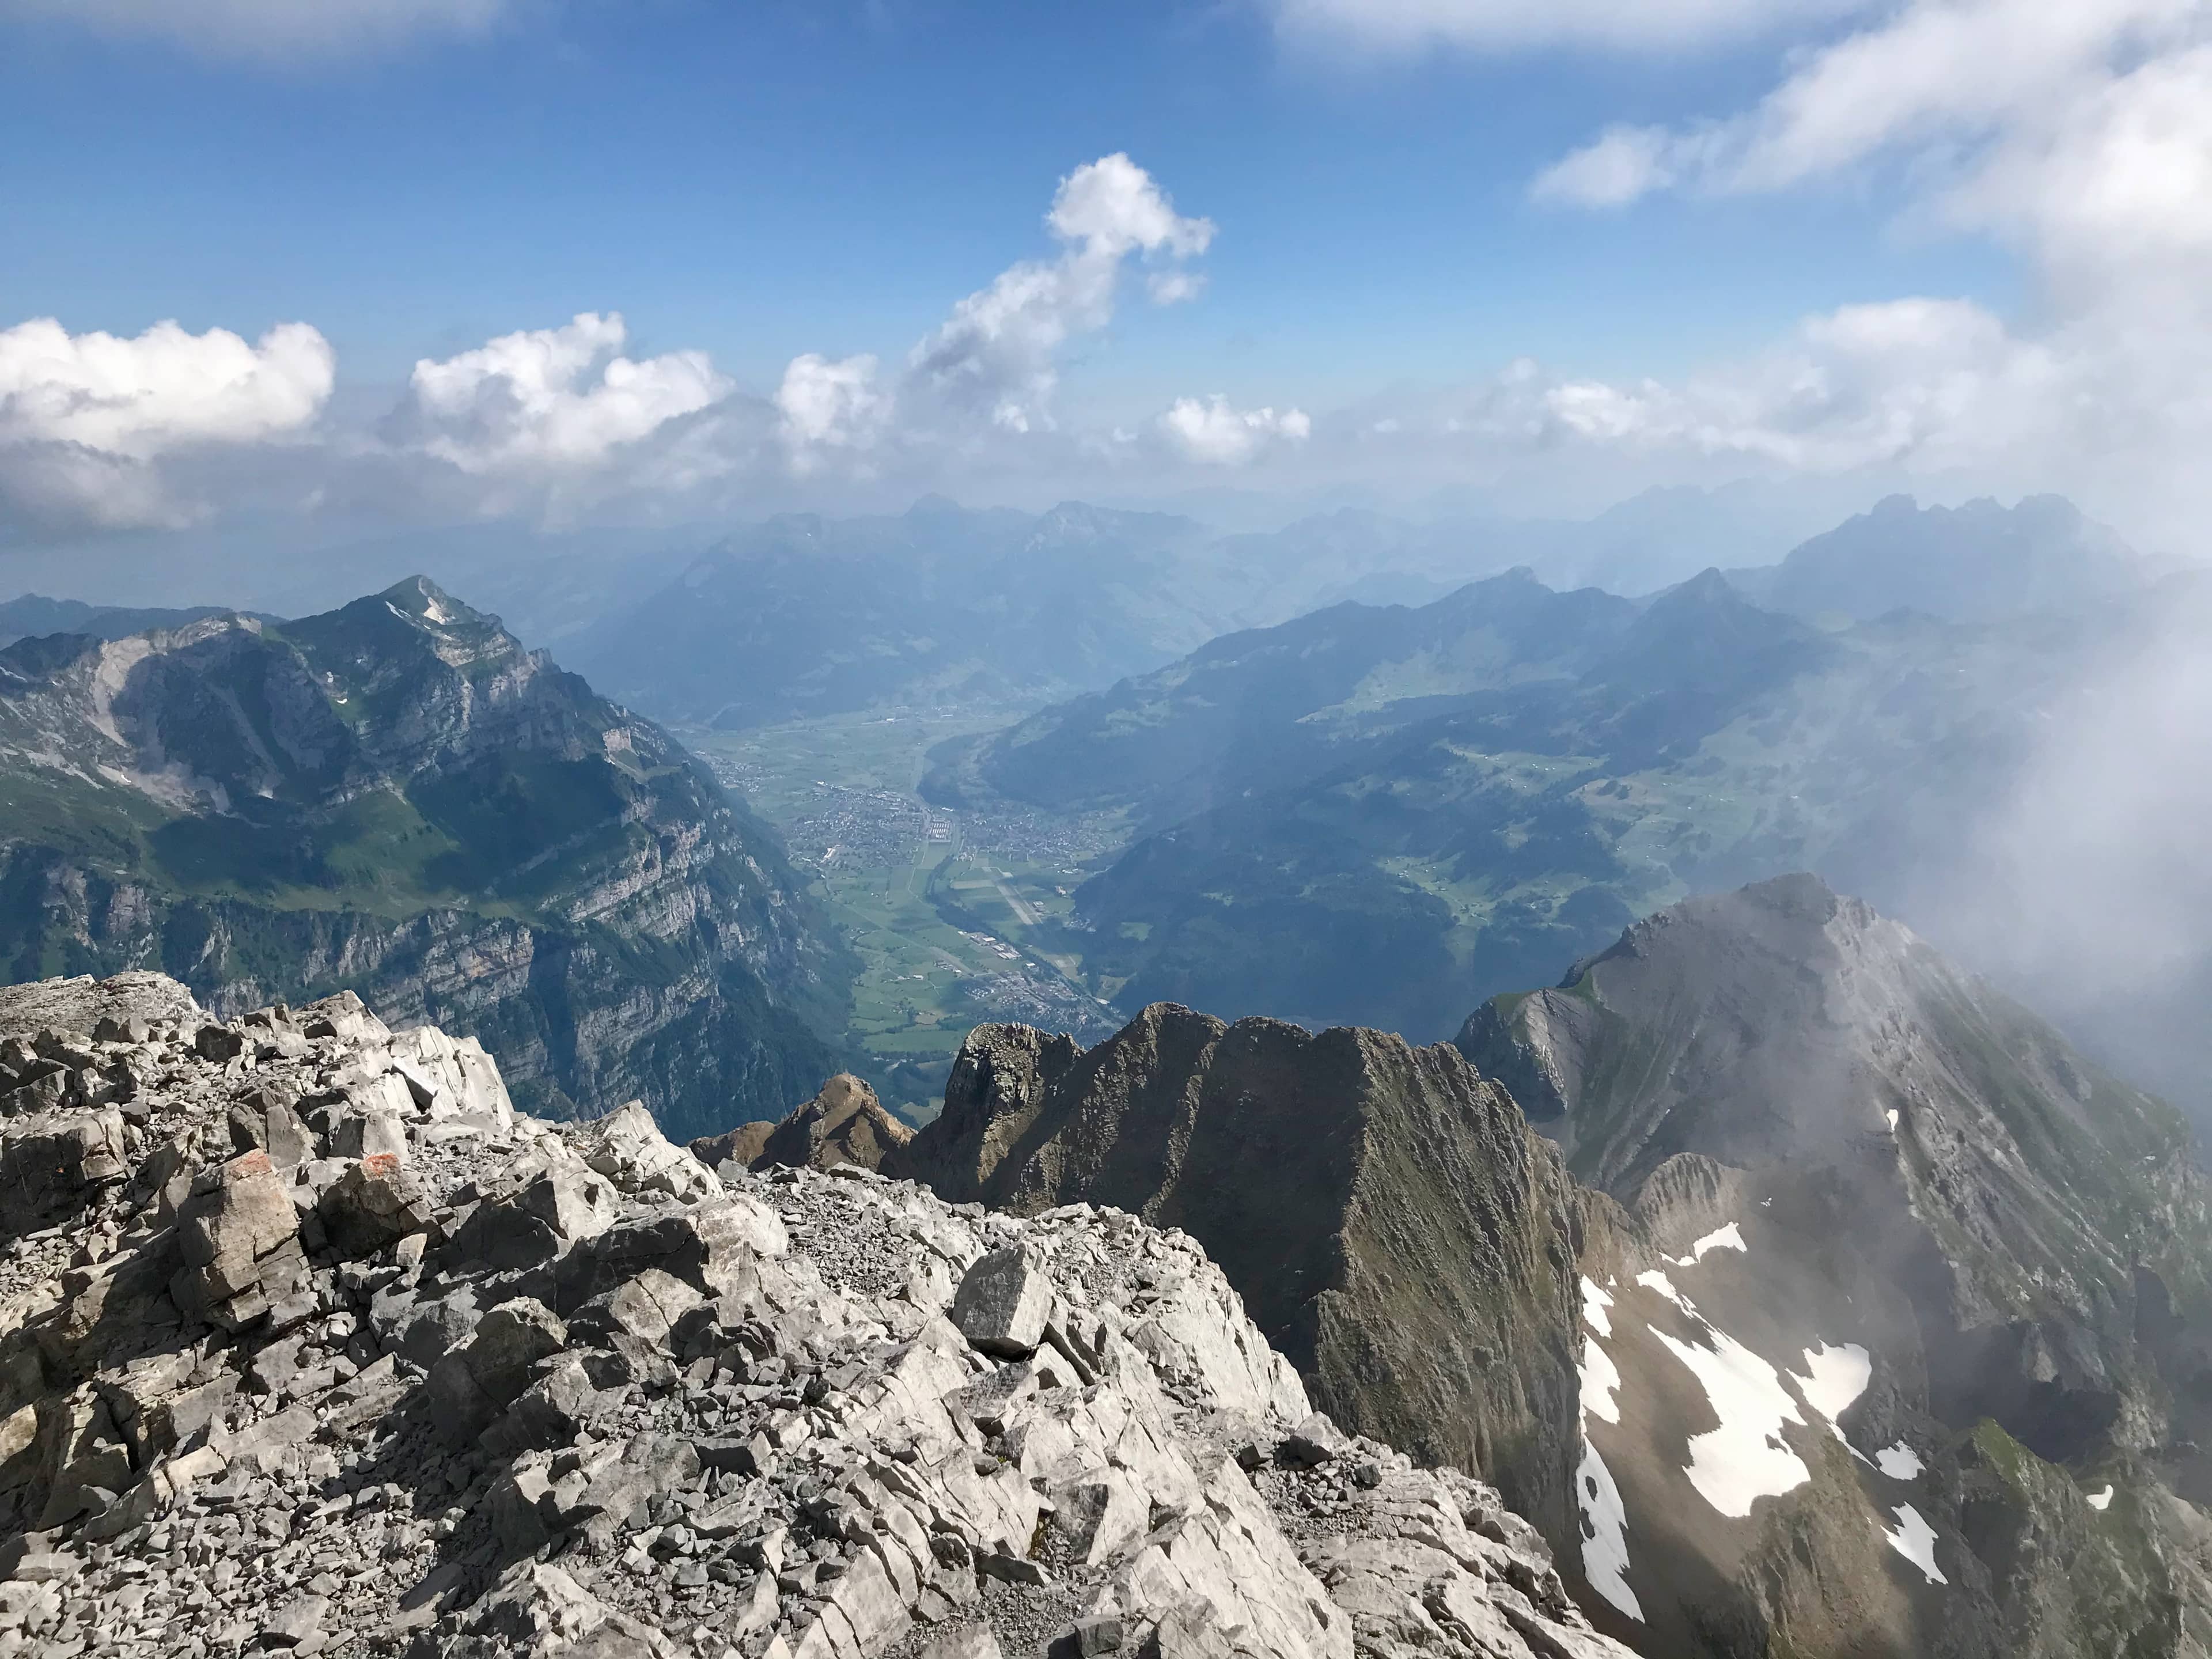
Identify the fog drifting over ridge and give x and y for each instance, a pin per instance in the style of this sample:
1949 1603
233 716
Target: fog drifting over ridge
2087 889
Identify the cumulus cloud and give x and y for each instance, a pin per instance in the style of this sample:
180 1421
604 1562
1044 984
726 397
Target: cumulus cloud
1209 431
272 30
829 404
997 354
553 423
138 397
1509 25
87 421
551 398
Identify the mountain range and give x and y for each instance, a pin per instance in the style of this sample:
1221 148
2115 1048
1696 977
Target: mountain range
1974 563
396 796
1382 815
1368 813
34 614
805 614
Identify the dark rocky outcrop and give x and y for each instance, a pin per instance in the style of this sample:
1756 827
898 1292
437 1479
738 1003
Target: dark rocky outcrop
1875 1326
843 1124
1393 1223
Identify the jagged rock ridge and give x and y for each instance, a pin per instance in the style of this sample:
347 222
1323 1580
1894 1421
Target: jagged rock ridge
1880 1332
317 1345
1392 1222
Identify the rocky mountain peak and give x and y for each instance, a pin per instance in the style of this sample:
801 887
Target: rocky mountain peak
319 1347
1871 1202
396 796
843 1124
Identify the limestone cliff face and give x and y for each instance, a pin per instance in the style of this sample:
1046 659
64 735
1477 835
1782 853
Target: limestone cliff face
1391 1220
398 798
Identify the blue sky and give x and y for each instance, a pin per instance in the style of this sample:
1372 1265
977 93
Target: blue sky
761 181
1721 286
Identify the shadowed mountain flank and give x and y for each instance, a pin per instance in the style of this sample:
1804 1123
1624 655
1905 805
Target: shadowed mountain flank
1392 1222
1911 1350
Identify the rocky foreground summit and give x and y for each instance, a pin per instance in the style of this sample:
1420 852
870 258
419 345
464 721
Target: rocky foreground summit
310 1342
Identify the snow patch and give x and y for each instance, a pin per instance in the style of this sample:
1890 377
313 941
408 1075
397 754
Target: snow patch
1601 1381
1744 1459
1834 1377
1899 1463
2102 1500
1726 1238
1605 1534
1915 1540
1892 1115
1594 1303
1655 1280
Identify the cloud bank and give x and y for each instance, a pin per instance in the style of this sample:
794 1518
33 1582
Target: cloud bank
1211 432
2080 134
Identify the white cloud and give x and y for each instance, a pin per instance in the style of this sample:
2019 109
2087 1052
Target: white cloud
136 398
826 405
1209 431
552 398
1931 384
1172 288
1496 26
1622 164
2080 134
86 419
997 354
1112 208
272 30
2016 113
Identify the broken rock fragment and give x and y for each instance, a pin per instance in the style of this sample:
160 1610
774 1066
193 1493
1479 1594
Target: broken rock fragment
1002 1305
238 1234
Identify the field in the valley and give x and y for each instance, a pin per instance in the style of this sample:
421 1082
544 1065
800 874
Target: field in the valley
957 917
